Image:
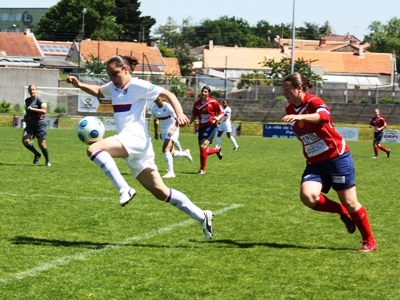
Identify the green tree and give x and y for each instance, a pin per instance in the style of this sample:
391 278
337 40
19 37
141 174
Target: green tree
279 69
104 19
385 38
95 66
169 34
255 78
134 27
310 31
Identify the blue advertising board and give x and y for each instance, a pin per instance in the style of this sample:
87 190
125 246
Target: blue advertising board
278 131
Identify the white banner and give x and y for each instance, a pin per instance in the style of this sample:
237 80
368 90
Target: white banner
348 133
87 103
391 136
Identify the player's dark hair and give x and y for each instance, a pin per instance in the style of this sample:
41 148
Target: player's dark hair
297 79
206 88
122 61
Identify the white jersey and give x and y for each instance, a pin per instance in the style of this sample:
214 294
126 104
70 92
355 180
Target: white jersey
225 124
129 103
165 115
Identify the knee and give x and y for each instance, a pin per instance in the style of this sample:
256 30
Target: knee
309 198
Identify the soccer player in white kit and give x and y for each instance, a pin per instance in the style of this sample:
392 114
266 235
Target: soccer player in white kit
164 115
132 143
226 126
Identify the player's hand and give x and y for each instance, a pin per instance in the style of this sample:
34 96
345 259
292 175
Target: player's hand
73 80
182 119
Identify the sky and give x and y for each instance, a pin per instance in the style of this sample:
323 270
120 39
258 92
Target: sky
344 16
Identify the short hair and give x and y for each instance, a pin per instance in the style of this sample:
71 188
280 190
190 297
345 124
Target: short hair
206 87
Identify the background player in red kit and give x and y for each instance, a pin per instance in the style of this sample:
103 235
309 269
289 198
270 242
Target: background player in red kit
329 162
379 123
208 111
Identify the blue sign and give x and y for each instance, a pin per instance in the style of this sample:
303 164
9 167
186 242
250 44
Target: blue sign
278 131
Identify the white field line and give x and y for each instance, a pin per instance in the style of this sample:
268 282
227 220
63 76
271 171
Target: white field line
66 260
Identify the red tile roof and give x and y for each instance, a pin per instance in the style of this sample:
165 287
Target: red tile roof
332 62
18 44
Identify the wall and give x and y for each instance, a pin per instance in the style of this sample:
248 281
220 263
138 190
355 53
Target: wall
13 80
273 111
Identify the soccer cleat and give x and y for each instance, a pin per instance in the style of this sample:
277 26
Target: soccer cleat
188 156
169 175
201 172
348 222
388 153
206 225
375 156
369 246
48 164
36 158
219 153
236 148
126 196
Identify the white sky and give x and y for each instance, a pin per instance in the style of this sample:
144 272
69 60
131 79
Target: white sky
345 16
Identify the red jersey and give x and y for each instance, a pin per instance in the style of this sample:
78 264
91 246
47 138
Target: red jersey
378 122
321 142
206 111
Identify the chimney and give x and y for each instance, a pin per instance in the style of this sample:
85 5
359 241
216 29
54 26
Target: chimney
27 31
210 45
151 43
361 51
322 42
286 49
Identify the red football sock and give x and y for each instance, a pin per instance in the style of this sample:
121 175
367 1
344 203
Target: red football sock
203 159
383 148
212 151
360 218
376 150
327 205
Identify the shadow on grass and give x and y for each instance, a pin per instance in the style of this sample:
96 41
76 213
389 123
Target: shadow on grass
274 245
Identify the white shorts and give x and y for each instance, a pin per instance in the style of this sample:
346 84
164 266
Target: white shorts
225 126
140 150
174 137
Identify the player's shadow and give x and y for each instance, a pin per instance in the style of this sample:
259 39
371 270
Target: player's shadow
25 240
236 244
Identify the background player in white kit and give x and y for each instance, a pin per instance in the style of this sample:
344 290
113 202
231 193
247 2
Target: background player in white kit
226 126
164 115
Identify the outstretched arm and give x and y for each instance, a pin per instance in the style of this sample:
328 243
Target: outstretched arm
91 89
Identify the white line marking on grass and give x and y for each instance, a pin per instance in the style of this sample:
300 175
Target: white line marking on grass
66 260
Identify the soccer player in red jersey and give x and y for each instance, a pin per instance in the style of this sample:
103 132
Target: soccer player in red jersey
329 162
208 111
379 123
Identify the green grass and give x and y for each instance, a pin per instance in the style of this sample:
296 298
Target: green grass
64 236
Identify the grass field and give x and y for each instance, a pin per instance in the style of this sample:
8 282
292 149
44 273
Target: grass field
64 236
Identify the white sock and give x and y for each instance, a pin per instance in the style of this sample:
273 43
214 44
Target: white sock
178 145
169 161
178 153
218 141
183 203
105 161
233 140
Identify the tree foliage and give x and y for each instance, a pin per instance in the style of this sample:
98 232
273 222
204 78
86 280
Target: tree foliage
95 66
385 38
104 19
282 68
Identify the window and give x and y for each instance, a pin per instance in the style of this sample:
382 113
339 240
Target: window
11 17
28 18
18 17
4 17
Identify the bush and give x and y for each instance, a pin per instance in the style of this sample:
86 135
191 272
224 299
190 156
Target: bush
5 107
60 109
385 100
280 98
364 100
17 108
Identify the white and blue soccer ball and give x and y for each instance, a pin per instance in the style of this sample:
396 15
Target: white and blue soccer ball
90 130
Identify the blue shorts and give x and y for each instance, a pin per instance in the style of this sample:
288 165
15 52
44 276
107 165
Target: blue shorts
207 132
38 130
338 173
378 136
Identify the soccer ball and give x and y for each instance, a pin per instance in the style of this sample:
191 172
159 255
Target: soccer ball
90 130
